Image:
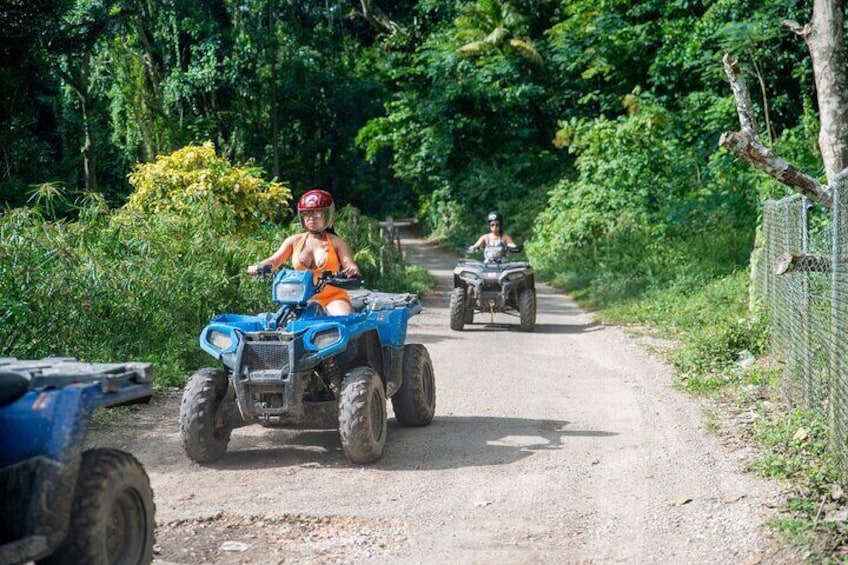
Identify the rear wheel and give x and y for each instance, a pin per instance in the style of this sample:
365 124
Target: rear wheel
112 516
457 309
415 402
205 437
363 418
527 309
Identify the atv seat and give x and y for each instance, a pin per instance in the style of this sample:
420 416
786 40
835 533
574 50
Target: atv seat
12 387
372 300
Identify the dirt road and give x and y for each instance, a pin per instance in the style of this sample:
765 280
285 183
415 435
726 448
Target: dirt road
567 445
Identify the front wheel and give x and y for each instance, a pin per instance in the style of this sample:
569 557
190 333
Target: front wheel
112 515
415 402
205 436
527 309
457 309
363 418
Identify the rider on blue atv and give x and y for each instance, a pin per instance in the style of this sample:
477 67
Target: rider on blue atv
495 243
322 359
318 250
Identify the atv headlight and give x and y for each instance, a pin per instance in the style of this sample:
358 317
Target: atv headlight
514 276
326 338
219 339
470 275
288 292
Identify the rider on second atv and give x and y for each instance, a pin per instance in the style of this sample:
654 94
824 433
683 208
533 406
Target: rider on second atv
496 242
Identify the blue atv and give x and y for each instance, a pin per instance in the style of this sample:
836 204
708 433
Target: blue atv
299 368
63 504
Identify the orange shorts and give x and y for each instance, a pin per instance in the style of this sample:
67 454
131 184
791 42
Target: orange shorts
329 294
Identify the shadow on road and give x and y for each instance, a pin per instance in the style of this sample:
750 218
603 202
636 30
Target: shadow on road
539 329
449 442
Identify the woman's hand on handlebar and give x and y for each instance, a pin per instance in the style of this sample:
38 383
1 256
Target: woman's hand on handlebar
351 272
259 269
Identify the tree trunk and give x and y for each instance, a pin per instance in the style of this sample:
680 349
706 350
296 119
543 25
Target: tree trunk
77 79
87 150
275 118
824 36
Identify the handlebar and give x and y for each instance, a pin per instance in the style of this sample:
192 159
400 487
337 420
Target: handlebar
264 269
514 249
340 280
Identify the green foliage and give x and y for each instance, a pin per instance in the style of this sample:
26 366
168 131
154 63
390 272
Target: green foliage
795 448
195 175
126 286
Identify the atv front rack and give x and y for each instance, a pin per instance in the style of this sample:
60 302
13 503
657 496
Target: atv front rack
63 371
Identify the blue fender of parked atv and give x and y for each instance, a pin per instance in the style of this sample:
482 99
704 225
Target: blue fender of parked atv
42 436
52 418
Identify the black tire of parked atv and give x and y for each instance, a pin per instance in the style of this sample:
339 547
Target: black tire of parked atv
112 514
527 309
469 314
457 309
202 441
363 415
415 403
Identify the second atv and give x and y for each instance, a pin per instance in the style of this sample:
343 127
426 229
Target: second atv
495 284
297 367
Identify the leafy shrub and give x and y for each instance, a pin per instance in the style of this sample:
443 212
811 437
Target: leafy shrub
193 175
121 285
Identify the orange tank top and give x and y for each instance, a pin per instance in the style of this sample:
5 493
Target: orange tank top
331 261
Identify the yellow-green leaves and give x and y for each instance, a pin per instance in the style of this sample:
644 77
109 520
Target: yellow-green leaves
194 177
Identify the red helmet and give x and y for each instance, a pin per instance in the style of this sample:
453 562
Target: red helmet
317 200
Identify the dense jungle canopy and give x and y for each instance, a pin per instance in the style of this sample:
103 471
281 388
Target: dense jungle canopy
584 121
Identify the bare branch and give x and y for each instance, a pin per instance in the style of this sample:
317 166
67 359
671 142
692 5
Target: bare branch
744 108
746 143
377 18
803 31
764 159
787 263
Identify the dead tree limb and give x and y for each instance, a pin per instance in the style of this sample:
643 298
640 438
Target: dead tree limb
794 262
764 159
377 18
746 144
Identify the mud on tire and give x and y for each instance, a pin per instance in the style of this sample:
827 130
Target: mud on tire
202 440
527 309
415 403
112 514
457 309
363 417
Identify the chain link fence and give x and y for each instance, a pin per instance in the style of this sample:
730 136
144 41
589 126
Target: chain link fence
800 279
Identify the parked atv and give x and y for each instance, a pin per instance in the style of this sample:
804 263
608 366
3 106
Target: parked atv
297 367
495 284
62 504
